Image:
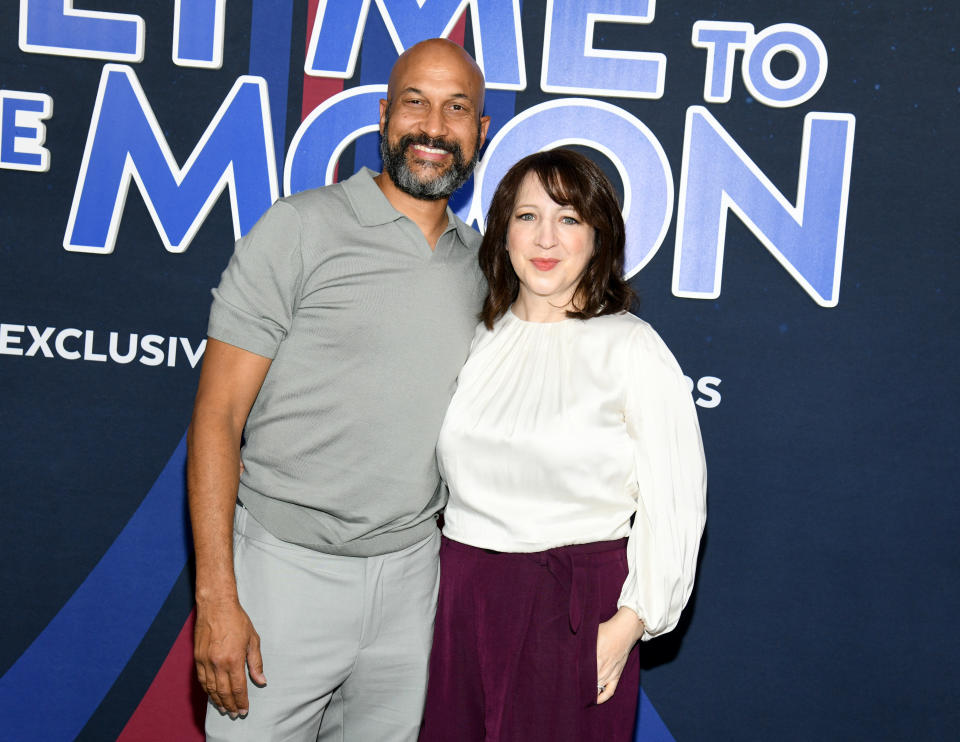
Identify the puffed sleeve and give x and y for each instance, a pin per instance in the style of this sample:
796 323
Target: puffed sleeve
671 480
254 305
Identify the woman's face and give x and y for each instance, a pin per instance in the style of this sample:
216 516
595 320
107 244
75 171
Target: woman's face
549 246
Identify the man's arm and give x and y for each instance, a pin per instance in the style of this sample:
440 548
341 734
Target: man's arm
224 638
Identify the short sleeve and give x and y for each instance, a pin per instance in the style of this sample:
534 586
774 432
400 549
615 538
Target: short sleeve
671 478
254 304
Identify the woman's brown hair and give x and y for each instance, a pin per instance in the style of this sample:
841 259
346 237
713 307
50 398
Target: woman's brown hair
570 179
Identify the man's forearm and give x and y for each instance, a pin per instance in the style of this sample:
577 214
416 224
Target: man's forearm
213 471
225 641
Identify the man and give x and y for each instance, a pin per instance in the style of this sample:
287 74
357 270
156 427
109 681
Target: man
335 338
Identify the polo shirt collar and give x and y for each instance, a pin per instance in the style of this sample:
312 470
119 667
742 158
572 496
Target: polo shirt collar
467 234
374 209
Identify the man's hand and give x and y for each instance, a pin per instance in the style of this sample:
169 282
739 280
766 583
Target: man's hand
224 639
224 642
615 639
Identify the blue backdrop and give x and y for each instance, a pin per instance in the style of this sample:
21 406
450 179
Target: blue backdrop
787 178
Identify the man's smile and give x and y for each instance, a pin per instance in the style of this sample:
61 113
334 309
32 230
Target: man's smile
423 152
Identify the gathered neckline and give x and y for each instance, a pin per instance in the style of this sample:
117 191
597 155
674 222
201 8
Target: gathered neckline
513 315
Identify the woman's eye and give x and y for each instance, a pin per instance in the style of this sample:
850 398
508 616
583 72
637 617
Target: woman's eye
526 217
569 220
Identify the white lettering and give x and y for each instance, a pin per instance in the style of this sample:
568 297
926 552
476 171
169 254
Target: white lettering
70 332
88 354
151 346
154 350
707 386
131 348
193 355
40 341
7 341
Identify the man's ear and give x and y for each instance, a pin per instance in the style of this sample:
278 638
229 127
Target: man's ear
383 113
484 125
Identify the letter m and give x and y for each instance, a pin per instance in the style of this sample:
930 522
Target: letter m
125 143
497 36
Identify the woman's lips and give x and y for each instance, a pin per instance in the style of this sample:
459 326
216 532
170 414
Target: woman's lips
544 264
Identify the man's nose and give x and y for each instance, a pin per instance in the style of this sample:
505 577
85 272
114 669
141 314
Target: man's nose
433 124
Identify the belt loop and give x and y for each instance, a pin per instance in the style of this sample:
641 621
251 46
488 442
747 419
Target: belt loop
576 610
560 562
239 517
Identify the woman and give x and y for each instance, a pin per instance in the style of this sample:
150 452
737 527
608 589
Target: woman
576 475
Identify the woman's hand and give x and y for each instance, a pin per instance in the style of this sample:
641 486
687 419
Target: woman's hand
615 639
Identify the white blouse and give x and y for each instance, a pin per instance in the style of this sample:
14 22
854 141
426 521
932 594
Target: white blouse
559 433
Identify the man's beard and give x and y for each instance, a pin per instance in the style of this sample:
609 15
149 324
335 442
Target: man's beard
430 189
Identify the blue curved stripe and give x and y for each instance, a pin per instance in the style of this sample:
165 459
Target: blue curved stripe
271 25
55 686
650 727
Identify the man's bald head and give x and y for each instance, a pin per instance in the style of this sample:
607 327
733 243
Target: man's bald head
441 58
432 122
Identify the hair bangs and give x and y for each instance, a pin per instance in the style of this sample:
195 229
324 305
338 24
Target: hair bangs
573 180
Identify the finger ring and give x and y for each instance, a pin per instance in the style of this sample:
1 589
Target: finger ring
601 687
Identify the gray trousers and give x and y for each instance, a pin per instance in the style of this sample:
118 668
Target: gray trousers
345 640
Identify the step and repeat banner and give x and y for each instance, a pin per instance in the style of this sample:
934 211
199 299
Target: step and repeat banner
788 179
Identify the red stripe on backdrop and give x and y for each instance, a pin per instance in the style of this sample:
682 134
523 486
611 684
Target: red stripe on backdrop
174 705
458 31
316 89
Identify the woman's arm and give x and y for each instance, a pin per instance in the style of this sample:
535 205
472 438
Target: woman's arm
671 505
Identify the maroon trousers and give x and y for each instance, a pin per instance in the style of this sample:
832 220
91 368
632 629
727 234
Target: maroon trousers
515 647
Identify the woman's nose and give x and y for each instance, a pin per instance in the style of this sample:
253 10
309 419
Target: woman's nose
546 235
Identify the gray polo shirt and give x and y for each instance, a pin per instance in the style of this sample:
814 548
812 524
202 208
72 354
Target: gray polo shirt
367 328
